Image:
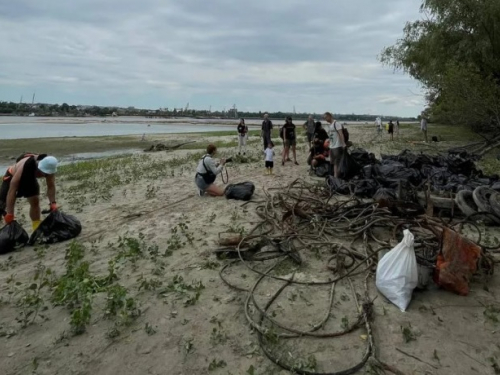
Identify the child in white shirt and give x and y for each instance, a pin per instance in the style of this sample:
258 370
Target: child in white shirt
269 152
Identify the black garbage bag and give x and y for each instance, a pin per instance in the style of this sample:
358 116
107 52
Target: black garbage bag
365 188
337 185
367 171
385 197
348 167
56 227
12 236
242 191
322 170
393 171
362 156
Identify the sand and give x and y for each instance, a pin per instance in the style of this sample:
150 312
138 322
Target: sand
158 205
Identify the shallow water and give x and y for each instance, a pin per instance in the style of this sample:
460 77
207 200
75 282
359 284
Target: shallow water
20 130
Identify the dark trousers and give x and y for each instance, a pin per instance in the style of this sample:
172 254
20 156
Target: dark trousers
266 139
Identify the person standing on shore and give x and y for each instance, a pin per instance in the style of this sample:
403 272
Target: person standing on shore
423 127
242 136
289 139
390 130
396 128
267 130
20 181
309 127
269 159
378 124
337 142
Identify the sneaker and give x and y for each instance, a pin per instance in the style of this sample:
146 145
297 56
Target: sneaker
244 153
282 163
201 193
239 153
296 163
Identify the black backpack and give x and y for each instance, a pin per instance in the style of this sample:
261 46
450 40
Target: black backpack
345 132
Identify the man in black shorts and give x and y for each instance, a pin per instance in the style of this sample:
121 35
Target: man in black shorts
289 140
20 181
390 129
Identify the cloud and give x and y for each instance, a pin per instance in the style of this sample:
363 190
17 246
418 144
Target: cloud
272 55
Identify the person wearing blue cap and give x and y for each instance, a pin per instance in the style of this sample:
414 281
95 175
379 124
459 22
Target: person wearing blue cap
20 181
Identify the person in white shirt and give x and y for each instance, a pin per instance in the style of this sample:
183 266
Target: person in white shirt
378 125
207 172
423 127
337 142
269 152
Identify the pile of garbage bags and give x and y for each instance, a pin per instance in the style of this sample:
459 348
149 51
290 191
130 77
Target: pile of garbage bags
452 172
56 227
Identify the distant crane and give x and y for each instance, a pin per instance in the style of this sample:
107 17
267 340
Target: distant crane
235 111
21 100
187 107
33 99
210 109
294 110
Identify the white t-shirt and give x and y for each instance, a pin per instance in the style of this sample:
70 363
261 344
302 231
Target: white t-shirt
333 134
269 154
378 122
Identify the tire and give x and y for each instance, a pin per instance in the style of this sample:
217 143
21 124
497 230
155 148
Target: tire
465 202
481 197
495 203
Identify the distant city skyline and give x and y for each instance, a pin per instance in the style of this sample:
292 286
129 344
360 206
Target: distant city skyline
180 110
317 56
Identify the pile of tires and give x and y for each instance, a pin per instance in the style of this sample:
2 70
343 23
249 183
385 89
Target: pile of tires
482 200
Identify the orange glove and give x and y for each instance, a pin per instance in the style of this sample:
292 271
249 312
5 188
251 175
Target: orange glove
53 206
9 218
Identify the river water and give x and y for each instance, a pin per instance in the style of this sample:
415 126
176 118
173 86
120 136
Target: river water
43 130
34 127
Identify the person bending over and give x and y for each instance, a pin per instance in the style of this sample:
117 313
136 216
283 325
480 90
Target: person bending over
319 153
207 172
20 181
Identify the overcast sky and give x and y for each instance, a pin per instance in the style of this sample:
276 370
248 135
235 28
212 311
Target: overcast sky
316 55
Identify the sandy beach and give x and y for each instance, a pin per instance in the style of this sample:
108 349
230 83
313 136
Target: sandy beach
150 201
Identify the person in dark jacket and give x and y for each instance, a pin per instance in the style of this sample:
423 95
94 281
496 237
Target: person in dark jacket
290 140
267 130
242 136
390 130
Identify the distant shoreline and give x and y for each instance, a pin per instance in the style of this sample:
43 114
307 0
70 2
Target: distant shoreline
157 121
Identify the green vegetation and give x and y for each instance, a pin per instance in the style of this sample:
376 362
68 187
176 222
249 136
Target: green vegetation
453 52
215 364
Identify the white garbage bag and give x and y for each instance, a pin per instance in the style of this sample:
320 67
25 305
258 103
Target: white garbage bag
397 273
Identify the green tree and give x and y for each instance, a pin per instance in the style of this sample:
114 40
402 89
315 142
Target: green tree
454 51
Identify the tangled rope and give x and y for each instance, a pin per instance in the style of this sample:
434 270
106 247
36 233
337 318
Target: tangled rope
303 217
